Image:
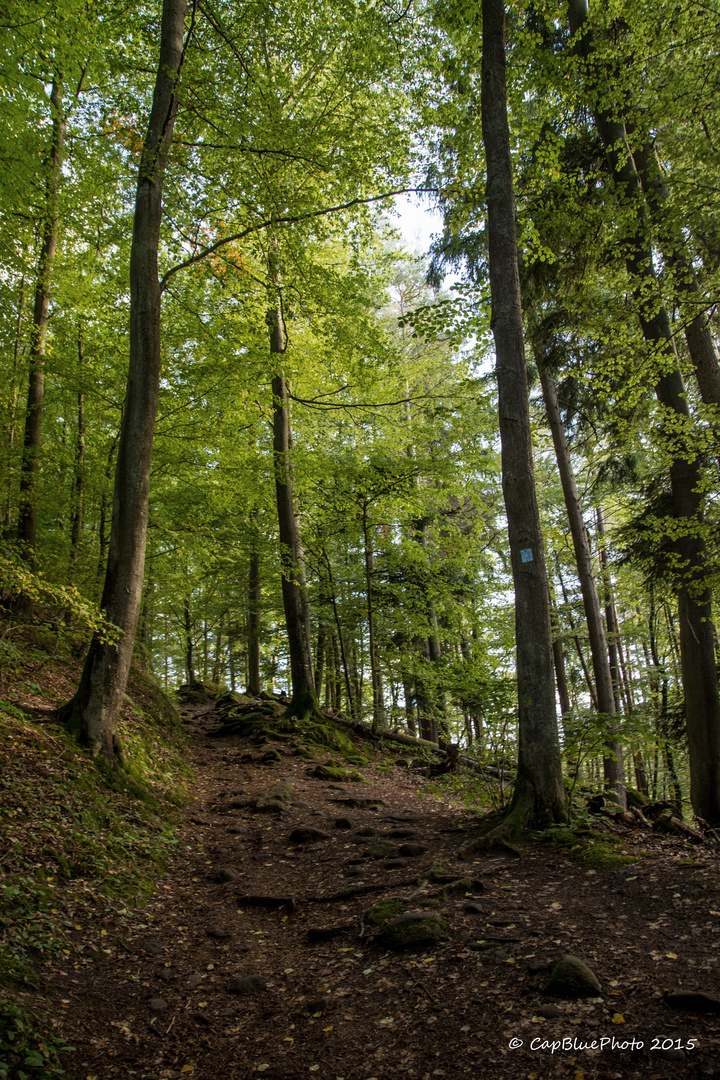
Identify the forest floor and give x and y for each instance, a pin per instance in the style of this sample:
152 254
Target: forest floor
160 1004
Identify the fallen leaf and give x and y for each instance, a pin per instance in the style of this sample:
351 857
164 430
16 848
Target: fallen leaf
671 955
618 1018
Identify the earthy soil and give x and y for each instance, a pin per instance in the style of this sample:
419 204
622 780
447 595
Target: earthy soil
156 1002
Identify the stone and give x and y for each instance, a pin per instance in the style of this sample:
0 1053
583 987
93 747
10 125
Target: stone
247 984
472 909
317 1005
271 757
193 981
367 830
381 850
550 1012
152 948
460 886
227 1011
219 933
402 834
166 974
697 1002
344 823
673 1054
497 956
413 930
572 978
353 871
275 800
412 851
382 911
158 1004
237 830
227 873
395 864
307 834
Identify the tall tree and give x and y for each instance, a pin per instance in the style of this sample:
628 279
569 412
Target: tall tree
697 642
539 795
93 713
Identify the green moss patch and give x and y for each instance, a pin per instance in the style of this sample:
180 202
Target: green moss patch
413 930
385 910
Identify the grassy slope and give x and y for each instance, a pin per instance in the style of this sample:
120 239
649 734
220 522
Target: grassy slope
75 842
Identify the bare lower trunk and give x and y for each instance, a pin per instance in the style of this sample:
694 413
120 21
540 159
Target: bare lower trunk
94 712
253 625
189 644
378 717
28 507
607 706
294 592
539 796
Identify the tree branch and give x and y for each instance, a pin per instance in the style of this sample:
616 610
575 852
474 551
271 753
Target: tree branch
290 219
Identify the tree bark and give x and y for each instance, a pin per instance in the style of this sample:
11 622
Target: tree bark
94 712
697 648
607 707
253 625
294 591
539 796
79 463
378 717
189 644
30 470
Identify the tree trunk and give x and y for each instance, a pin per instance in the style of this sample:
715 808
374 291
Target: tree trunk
378 717
409 695
13 400
189 644
320 658
94 712
607 707
539 796
76 522
27 513
698 335
253 625
697 649
559 662
294 592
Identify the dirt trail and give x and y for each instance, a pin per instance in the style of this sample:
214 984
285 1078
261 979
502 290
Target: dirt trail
207 983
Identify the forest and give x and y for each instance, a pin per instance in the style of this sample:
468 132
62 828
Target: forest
259 457
249 438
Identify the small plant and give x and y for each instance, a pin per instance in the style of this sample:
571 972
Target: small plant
27 1050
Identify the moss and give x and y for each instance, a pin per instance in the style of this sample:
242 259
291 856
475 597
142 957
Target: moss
384 910
603 855
413 930
338 773
381 849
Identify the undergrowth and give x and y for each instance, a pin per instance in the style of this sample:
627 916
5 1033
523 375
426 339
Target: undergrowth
78 843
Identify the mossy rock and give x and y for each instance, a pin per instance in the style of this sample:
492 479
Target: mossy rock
459 887
572 978
384 910
275 800
635 799
381 850
357 759
271 757
413 930
338 773
603 855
